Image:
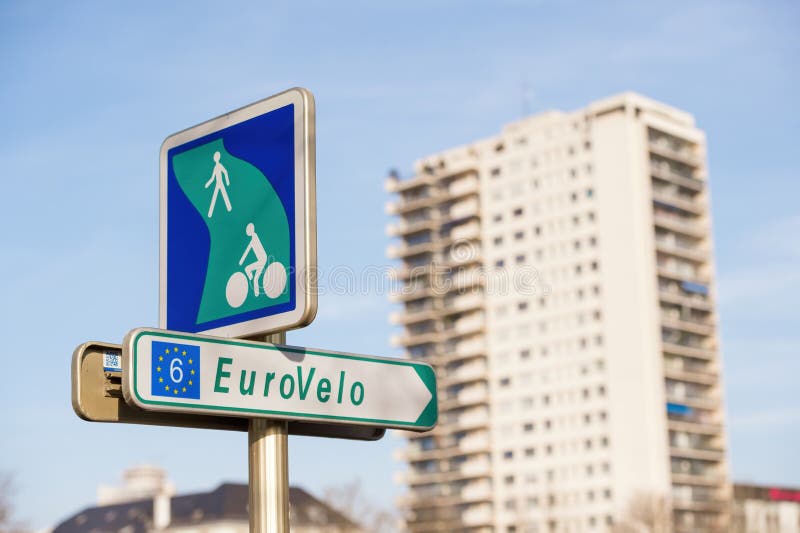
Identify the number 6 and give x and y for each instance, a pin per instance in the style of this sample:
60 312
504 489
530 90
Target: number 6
173 369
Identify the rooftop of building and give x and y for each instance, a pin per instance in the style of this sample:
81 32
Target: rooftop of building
227 502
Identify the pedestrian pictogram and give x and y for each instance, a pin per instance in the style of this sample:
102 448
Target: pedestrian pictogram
219 185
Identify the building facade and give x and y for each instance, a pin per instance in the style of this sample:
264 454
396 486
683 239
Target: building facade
559 276
765 509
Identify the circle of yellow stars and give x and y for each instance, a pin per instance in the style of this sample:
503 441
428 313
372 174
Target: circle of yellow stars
158 369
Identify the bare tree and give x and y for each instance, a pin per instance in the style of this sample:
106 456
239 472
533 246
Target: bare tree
647 513
350 500
7 522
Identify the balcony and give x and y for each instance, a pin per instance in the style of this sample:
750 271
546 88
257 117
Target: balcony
680 224
407 226
708 401
466 397
396 184
464 302
679 297
704 377
697 254
474 468
670 272
688 350
710 478
466 373
673 200
406 205
396 251
477 442
477 492
413 339
699 425
469 325
479 515
706 454
462 210
412 292
703 503
454 351
682 154
692 325
463 187
662 171
463 232
408 316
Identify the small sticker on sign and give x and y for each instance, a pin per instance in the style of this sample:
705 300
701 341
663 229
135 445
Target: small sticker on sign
112 362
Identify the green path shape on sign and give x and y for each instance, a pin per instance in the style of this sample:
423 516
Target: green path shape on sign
252 200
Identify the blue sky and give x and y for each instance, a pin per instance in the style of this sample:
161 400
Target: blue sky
90 90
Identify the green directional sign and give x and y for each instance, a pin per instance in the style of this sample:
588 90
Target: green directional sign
185 373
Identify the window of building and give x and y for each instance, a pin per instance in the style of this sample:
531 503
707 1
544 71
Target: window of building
518 236
508 454
497 218
530 452
517 212
499 263
505 382
524 354
527 402
498 241
508 480
528 427
522 306
520 259
495 172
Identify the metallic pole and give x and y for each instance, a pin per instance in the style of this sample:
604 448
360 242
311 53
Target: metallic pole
268 469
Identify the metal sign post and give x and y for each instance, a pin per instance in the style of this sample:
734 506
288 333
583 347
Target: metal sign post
268 469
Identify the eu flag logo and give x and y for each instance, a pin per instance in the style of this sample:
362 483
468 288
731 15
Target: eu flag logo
176 370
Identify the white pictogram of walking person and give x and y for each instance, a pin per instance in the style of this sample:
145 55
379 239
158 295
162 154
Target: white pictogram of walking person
219 187
254 269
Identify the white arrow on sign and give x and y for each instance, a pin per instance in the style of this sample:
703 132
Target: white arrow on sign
183 373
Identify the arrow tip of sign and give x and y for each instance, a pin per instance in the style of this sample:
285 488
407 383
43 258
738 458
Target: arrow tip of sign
430 415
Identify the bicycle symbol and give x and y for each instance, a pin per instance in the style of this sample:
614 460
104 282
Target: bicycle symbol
272 279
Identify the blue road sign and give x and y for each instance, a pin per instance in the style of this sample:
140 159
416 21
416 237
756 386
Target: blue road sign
238 235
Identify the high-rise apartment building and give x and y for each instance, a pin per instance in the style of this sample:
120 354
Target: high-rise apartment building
559 276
